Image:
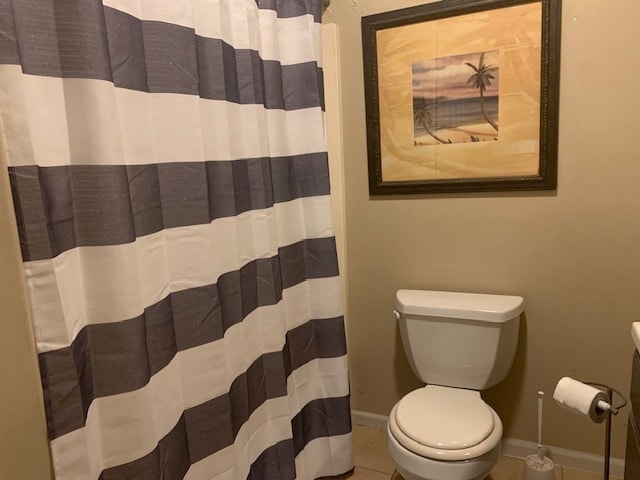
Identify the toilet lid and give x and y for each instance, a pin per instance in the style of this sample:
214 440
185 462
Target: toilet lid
444 418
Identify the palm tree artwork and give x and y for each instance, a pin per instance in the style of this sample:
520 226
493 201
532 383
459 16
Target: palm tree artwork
423 115
481 79
452 106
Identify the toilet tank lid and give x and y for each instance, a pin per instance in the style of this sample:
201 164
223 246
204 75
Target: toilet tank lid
473 306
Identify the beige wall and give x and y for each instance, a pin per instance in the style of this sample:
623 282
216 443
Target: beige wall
574 254
24 453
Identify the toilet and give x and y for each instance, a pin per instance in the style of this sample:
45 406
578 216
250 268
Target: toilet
458 344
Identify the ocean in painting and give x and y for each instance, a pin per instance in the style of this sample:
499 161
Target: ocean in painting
453 113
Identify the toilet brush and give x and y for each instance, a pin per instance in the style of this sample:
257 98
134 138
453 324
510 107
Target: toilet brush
539 467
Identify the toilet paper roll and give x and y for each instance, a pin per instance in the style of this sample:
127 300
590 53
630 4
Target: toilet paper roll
580 398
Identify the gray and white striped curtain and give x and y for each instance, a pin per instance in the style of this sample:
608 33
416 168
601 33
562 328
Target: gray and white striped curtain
169 175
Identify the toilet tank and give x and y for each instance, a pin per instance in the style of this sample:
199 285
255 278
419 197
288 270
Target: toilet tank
464 340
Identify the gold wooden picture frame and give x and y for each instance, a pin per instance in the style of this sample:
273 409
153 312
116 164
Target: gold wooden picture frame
462 95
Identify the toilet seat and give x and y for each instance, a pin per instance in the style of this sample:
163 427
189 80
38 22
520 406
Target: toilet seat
445 423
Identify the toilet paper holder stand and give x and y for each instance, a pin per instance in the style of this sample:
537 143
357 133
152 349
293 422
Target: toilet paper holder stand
610 409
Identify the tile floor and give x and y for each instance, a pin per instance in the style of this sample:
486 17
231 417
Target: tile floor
374 463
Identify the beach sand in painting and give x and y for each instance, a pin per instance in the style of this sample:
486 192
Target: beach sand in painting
482 132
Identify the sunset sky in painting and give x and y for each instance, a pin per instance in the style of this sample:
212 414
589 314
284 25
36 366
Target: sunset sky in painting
447 76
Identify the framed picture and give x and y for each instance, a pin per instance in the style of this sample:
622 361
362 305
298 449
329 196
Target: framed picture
462 96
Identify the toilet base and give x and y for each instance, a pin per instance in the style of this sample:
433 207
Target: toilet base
415 467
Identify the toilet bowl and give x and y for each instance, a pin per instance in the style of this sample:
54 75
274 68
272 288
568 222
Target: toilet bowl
437 433
415 467
458 344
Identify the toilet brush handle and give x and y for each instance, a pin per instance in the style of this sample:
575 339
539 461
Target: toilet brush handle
540 401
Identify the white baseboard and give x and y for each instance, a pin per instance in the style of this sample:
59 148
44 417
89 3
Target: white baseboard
367 419
512 447
587 462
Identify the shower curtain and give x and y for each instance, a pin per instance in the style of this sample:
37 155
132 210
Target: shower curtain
170 181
